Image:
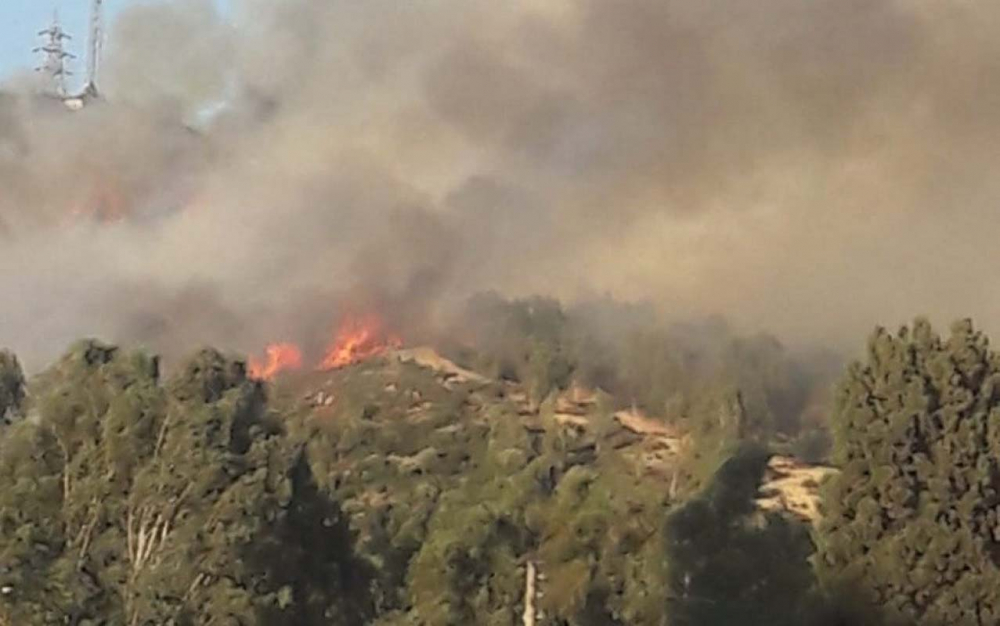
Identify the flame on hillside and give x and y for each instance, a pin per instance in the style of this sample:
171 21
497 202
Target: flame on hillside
278 358
357 339
104 201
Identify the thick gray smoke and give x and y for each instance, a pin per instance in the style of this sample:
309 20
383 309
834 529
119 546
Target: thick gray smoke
807 168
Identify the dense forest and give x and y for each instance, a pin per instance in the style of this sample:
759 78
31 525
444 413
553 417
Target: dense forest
553 470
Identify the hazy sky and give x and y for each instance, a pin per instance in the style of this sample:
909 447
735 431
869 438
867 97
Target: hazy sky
20 21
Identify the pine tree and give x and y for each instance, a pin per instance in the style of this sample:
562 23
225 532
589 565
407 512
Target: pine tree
11 387
729 563
911 520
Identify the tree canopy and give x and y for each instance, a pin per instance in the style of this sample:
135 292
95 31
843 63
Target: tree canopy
911 521
128 500
11 387
730 563
395 492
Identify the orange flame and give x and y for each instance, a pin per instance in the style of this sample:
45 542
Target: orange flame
279 357
358 339
105 201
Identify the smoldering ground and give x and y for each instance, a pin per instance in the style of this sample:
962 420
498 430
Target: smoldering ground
807 168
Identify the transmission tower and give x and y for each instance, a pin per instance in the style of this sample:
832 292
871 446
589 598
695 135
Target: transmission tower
89 93
94 47
54 65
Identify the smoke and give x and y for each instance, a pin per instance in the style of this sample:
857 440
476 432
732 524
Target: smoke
809 169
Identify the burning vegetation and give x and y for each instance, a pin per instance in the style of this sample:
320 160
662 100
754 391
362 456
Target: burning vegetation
356 339
278 357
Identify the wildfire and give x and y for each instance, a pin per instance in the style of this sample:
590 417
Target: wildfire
357 339
278 358
105 201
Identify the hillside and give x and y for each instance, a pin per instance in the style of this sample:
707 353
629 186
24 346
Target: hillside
450 478
399 489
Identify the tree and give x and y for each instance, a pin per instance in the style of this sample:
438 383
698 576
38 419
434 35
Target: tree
11 387
523 340
129 501
911 519
729 563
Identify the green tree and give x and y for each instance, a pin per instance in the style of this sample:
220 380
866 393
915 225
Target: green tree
911 519
523 340
729 563
651 371
546 369
128 501
11 387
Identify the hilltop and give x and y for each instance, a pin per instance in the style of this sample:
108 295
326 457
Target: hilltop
452 478
398 487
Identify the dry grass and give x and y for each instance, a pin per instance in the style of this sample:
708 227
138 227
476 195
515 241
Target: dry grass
429 358
793 486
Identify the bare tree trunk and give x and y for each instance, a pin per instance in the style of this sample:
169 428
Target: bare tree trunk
66 478
529 594
87 532
162 436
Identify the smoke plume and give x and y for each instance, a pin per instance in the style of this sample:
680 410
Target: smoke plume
806 168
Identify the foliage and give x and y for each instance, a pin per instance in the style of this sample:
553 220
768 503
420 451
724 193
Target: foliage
731 564
129 501
911 519
389 493
626 352
451 491
11 387
524 341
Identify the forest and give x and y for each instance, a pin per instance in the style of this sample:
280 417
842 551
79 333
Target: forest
503 480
